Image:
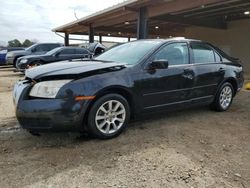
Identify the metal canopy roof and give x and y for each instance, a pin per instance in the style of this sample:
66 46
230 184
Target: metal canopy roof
165 17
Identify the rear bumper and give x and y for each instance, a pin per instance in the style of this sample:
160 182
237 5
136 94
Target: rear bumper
2 62
10 60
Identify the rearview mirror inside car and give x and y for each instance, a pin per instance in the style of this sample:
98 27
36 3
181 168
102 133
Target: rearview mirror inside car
159 64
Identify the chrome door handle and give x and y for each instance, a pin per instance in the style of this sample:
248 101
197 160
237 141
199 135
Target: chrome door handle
188 73
188 76
221 70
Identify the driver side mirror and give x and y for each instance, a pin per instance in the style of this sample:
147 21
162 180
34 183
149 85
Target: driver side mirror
158 64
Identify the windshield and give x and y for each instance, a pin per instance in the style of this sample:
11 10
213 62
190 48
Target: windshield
51 52
129 53
31 47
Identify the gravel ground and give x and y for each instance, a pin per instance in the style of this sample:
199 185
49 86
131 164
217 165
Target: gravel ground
189 148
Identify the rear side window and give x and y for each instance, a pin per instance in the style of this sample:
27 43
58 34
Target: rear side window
202 53
175 54
52 46
67 52
81 51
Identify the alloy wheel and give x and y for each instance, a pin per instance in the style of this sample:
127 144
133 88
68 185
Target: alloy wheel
226 97
110 117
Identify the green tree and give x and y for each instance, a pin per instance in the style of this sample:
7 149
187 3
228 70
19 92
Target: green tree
14 43
27 43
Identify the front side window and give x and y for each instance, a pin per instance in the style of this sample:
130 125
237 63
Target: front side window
202 53
175 54
52 46
41 48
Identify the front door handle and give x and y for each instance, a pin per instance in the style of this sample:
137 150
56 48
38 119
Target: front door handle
221 70
188 73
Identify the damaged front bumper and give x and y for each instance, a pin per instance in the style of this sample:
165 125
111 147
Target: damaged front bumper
42 115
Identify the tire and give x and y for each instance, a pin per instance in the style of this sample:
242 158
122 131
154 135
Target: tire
104 123
223 98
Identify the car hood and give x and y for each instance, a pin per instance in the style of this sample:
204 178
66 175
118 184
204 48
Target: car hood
18 52
72 68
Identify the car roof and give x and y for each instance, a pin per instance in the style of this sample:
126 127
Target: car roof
172 39
72 47
48 43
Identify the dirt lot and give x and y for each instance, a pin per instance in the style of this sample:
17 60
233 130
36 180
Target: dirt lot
191 148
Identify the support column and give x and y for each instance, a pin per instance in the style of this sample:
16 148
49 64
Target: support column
66 39
100 38
129 39
142 23
91 34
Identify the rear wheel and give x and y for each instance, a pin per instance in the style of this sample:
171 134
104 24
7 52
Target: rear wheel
108 116
224 97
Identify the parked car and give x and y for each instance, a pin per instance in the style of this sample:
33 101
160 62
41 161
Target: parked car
101 95
57 54
36 49
5 51
96 48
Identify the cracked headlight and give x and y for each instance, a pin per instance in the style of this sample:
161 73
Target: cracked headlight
47 89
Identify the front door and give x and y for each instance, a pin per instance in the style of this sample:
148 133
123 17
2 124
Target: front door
163 88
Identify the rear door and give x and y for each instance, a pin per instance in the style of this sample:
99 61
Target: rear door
209 71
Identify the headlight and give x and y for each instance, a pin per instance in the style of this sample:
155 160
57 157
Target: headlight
47 89
23 60
9 55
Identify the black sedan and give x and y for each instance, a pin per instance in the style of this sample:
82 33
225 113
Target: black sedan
57 54
101 95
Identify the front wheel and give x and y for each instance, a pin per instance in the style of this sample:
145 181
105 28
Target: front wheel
108 116
224 97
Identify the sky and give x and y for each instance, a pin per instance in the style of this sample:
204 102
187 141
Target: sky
34 19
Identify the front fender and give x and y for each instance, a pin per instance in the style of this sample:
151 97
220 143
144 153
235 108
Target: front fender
94 85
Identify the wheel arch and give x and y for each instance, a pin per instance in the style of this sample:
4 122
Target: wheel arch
15 59
18 57
232 81
113 90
